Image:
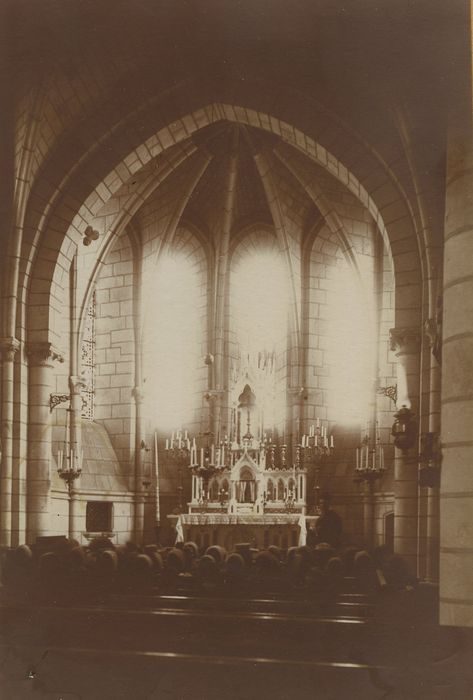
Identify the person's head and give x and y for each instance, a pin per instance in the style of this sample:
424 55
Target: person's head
325 501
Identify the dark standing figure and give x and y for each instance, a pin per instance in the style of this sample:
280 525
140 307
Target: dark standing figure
328 527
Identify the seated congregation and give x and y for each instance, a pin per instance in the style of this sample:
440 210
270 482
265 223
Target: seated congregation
64 571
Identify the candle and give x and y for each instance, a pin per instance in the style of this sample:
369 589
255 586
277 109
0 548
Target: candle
201 456
331 441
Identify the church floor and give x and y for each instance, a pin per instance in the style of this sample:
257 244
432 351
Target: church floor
181 647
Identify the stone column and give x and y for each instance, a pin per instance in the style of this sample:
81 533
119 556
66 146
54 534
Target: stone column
8 349
41 360
433 330
456 507
75 386
139 519
405 342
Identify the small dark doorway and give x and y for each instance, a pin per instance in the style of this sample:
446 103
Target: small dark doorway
389 531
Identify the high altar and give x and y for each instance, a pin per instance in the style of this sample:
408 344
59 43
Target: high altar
247 489
252 499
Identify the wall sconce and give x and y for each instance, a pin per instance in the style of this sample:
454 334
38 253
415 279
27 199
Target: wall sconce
404 429
430 458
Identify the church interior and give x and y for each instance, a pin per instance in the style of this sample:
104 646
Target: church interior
236 349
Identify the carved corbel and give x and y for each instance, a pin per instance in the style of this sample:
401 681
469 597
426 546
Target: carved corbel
43 354
404 341
8 348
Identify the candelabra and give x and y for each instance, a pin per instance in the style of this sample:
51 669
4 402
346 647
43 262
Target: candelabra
314 449
69 465
223 498
290 501
315 446
370 457
178 447
69 459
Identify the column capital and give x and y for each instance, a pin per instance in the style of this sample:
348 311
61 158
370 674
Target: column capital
8 348
404 341
43 354
76 384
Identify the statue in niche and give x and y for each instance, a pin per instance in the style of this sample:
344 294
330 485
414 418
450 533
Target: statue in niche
433 330
247 401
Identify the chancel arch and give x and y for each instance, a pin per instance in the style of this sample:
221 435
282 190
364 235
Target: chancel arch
143 174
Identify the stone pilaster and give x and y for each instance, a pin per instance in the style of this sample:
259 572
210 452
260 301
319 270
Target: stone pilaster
42 357
139 499
433 330
456 490
406 343
76 385
8 349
